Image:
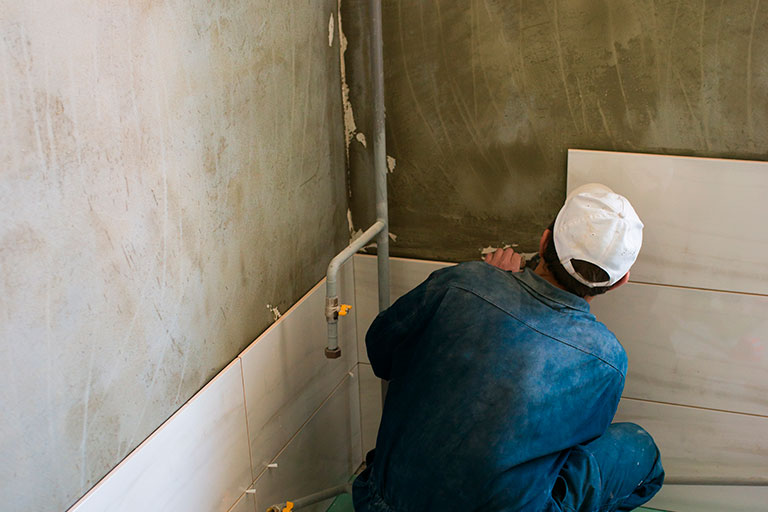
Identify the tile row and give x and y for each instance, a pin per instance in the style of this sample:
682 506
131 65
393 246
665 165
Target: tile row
279 394
323 454
197 460
704 217
692 347
702 444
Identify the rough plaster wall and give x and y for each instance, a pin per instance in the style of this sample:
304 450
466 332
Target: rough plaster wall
168 169
485 96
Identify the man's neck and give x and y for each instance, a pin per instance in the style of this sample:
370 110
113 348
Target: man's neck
543 272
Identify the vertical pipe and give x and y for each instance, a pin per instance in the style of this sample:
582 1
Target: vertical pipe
380 159
380 152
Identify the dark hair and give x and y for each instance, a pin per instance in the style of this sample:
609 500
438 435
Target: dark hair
589 271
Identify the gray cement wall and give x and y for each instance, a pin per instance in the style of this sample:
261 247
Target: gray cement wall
485 97
167 170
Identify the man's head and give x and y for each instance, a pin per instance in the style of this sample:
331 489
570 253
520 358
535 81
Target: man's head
593 241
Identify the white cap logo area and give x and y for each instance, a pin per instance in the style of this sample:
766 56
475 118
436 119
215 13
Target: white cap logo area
598 226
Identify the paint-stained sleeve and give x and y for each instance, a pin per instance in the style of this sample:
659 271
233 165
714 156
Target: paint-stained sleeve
396 329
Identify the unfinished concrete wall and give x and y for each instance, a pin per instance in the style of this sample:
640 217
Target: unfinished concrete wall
484 97
171 171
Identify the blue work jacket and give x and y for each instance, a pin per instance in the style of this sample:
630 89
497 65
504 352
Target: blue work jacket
493 377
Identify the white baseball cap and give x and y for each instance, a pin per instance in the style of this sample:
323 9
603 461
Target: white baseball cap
598 226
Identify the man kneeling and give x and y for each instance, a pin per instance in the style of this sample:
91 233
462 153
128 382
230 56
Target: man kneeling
503 385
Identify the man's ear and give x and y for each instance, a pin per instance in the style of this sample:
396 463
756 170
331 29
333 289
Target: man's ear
620 282
545 236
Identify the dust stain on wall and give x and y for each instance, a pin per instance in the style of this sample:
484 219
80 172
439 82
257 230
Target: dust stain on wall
168 169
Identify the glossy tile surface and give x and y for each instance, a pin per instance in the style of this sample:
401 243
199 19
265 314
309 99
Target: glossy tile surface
370 405
404 275
699 443
197 460
711 498
692 347
324 453
704 218
286 373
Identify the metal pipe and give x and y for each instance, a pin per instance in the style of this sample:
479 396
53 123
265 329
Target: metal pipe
332 307
380 159
313 498
380 152
380 229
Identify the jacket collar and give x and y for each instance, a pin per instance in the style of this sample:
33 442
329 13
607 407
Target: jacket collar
542 287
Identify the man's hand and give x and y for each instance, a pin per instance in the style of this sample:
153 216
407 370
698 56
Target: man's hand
505 259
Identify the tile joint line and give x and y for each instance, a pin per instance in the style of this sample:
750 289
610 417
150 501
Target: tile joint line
713 409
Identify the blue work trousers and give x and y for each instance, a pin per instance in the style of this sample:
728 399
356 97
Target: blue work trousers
618 471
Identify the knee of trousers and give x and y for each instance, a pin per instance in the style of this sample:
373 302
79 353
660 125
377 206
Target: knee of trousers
635 442
633 434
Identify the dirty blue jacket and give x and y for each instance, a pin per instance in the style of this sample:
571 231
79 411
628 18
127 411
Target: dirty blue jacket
494 376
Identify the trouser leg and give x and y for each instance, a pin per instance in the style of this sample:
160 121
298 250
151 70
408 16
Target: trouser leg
618 471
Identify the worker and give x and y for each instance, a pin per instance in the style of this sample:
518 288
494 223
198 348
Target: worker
503 385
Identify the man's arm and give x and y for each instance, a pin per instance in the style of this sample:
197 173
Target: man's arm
398 327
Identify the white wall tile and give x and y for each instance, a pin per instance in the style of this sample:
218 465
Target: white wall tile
197 460
404 275
692 347
704 217
370 406
712 498
699 443
286 373
324 453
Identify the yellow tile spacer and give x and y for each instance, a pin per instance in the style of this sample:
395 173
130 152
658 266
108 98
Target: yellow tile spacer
344 309
288 506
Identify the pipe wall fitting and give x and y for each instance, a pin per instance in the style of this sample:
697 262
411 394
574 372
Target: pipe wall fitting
332 308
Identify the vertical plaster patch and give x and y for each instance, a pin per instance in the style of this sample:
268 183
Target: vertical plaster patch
330 31
391 163
275 312
349 116
354 234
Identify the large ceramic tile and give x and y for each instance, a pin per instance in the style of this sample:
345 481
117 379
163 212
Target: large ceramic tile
712 498
704 217
246 503
694 347
404 275
698 443
286 373
197 460
324 453
370 405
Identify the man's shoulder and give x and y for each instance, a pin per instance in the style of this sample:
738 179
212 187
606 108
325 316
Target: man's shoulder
471 272
577 329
